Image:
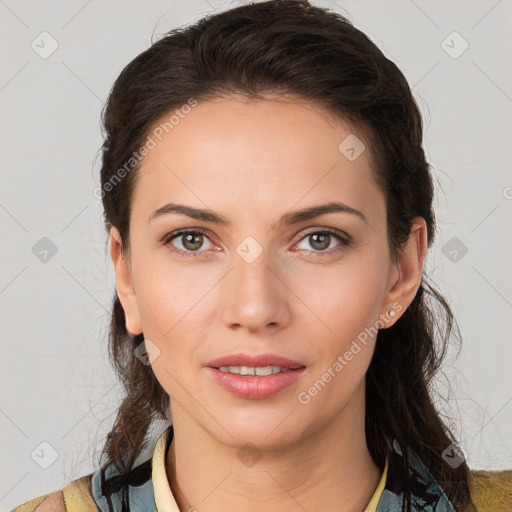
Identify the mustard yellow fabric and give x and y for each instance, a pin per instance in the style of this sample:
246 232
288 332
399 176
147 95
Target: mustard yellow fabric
77 496
492 490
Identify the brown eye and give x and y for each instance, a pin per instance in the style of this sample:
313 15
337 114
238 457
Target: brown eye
192 241
187 242
324 241
320 241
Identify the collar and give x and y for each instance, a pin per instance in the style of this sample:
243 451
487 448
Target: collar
148 485
164 498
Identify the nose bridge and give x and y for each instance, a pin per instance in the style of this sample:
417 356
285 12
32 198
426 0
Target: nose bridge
257 295
253 265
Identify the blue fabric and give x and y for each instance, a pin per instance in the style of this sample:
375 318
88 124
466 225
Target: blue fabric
137 496
427 494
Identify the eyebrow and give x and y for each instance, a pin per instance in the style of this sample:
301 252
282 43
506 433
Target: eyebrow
287 219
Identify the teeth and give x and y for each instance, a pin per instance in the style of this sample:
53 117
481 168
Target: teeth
250 370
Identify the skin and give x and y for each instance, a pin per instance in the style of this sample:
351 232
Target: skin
254 161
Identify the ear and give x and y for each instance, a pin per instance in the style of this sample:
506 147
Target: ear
409 268
124 284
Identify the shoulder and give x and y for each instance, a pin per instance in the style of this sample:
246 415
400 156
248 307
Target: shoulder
74 496
491 490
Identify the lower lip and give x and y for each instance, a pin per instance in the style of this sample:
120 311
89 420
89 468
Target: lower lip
257 387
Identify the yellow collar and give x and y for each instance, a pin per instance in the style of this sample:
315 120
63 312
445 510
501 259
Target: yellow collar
164 499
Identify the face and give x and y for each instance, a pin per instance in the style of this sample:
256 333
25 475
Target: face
310 289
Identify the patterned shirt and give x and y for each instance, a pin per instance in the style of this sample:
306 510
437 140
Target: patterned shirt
148 489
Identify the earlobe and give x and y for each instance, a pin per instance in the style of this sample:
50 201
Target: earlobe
409 269
124 283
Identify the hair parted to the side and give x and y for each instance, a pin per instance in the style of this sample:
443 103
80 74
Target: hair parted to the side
292 48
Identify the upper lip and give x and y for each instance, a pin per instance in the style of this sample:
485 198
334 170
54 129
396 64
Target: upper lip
254 360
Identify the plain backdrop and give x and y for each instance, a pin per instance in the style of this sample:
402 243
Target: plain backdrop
58 61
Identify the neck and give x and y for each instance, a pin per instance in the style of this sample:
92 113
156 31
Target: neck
329 469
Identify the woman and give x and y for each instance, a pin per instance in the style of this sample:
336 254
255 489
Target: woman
269 210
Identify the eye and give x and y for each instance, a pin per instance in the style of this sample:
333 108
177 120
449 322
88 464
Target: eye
189 240
323 239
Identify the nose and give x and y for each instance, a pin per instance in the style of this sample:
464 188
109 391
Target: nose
257 298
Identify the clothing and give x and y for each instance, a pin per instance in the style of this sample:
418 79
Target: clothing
149 490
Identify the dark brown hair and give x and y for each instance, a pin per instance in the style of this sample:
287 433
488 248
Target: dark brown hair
292 48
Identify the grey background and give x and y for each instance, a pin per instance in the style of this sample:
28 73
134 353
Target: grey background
57 386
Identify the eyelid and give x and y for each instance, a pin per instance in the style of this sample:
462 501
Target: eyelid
337 232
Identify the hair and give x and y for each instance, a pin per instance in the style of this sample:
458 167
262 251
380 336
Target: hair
289 47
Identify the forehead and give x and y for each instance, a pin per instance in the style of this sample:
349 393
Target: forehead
254 155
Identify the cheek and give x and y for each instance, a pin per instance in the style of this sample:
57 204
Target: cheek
346 298
171 303
346 302
170 323
168 296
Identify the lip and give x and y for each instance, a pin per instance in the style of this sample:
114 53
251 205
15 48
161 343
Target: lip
241 359
258 386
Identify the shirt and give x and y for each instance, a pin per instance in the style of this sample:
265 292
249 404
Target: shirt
148 488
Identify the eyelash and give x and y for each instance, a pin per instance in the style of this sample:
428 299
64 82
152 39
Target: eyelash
344 239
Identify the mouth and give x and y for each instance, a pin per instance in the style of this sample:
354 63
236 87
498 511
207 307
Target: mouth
246 364
255 376
256 371
256 383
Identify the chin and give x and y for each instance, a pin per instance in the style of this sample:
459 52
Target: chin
264 431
